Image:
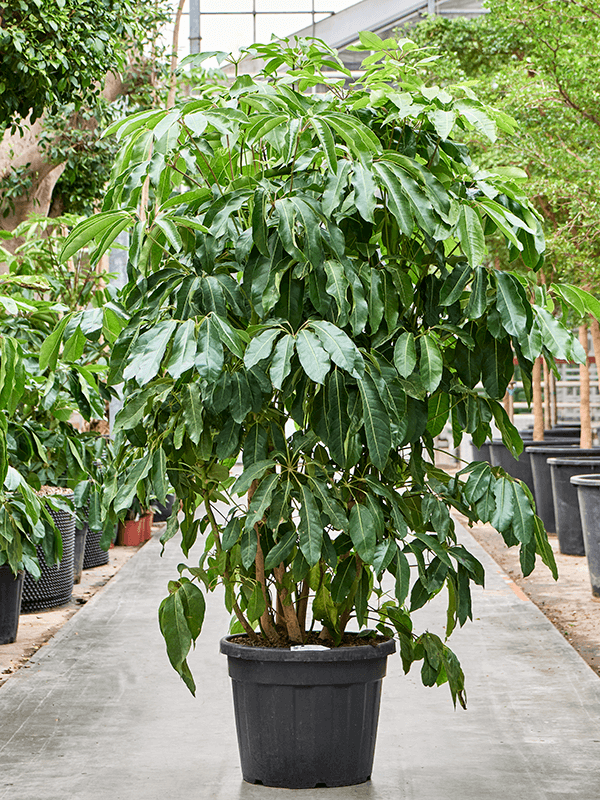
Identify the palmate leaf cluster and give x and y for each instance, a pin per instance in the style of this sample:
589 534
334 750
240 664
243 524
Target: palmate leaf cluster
309 292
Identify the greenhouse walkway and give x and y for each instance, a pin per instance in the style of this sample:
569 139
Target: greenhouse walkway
98 714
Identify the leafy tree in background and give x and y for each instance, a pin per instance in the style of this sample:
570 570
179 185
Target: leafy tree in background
538 61
67 69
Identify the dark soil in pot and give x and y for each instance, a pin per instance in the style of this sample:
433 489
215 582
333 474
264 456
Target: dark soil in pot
566 503
542 480
306 718
588 492
11 589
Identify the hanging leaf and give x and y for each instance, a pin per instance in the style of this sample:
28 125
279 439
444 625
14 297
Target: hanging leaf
376 423
431 365
313 357
470 233
362 532
405 354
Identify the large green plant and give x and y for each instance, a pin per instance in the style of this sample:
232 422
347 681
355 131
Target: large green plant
309 288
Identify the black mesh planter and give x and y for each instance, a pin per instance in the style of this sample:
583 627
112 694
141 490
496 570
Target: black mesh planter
11 589
94 555
306 718
55 586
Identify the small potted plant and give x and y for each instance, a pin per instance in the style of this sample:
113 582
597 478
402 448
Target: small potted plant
309 292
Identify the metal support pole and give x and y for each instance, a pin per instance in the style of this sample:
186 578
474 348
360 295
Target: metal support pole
195 37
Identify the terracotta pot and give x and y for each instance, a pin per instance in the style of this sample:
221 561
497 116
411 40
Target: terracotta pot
135 531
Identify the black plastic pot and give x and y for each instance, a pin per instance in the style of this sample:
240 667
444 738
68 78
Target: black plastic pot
521 468
481 453
94 555
542 480
163 512
306 718
568 431
55 586
588 492
566 503
11 590
79 552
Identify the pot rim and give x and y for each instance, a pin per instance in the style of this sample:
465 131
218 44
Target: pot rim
356 653
560 461
586 480
569 448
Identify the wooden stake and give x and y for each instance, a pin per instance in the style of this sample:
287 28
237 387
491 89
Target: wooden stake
547 415
584 392
538 408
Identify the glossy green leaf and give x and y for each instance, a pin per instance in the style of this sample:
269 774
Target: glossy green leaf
376 423
191 401
310 529
405 354
315 360
362 532
183 353
430 362
281 363
470 233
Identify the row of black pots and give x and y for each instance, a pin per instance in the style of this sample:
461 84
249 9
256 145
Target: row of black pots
23 594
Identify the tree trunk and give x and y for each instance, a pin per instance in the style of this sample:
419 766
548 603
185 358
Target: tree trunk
584 392
173 66
595 329
538 407
23 151
547 411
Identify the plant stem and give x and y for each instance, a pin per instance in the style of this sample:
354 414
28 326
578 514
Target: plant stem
302 604
237 610
292 624
265 620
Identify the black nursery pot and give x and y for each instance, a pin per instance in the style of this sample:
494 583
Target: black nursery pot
306 718
588 492
481 453
11 589
566 503
521 468
542 480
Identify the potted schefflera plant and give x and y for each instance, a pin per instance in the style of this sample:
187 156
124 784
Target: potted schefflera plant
309 292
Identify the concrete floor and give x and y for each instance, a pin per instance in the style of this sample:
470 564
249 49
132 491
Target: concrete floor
98 714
